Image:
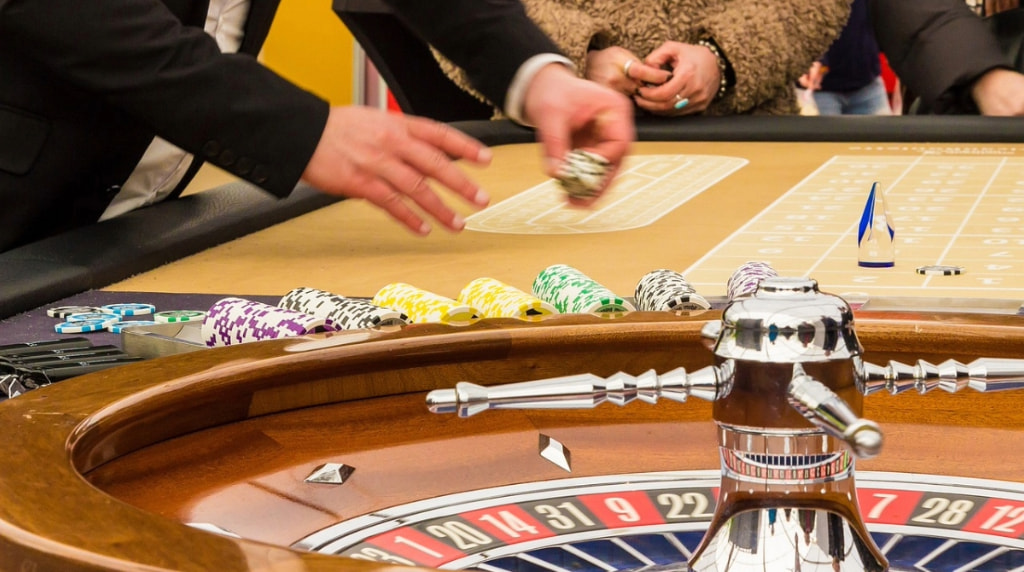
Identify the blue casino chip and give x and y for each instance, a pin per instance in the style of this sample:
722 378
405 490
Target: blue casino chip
118 327
81 327
132 309
105 316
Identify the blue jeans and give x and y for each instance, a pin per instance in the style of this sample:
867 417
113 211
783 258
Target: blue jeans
868 100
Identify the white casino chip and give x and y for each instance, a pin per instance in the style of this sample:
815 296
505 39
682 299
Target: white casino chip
940 270
65 311
583 174
339 312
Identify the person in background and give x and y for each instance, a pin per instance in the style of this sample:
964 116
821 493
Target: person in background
949 57
847 80
684 57
111 105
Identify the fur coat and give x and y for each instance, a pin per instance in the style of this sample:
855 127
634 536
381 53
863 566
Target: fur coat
769 43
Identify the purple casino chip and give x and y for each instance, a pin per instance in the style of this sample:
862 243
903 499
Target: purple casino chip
745 280
233 321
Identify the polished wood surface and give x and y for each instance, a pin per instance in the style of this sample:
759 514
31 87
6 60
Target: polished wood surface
103 470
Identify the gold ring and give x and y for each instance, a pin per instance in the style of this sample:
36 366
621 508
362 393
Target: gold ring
625 68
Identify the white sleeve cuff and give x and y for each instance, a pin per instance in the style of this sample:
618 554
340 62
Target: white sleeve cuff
516 95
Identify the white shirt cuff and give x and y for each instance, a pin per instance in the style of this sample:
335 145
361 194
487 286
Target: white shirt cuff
514 99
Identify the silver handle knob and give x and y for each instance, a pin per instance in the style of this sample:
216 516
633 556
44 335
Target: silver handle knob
822 407
984 375
582 391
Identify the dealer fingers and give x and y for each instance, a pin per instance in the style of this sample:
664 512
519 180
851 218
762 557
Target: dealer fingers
410 183
455 143
391 200
429 155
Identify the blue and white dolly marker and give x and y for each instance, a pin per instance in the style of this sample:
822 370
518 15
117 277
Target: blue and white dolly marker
875 235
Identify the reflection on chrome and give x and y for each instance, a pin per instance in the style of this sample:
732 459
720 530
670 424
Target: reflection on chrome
791 539
786 468
787 385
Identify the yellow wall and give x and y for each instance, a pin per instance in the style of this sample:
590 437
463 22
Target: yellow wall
310 46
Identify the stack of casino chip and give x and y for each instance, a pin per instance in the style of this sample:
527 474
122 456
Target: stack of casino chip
583 173
573 292
745 280
84 322
422 306
339 312
235 321
495 299
81 319
667 290
130 310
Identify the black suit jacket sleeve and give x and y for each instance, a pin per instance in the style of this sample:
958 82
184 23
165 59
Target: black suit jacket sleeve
937 48
139 57
489 39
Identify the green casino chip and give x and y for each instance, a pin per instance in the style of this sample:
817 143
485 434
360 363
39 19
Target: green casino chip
573 292
174 316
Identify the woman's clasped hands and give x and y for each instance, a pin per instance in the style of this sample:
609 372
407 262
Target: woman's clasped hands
674 79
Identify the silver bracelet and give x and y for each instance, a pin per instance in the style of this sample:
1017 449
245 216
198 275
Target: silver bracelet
723 83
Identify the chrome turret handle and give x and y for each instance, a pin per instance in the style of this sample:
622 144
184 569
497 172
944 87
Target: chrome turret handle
984 375
583 391
822 407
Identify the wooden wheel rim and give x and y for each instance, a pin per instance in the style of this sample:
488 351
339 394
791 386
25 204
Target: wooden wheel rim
53 519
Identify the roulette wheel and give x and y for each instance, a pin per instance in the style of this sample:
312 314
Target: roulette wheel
319 453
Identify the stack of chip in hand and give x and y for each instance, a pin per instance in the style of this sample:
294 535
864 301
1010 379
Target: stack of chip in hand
583 174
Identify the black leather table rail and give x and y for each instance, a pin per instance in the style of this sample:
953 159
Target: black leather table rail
97 255
864 129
